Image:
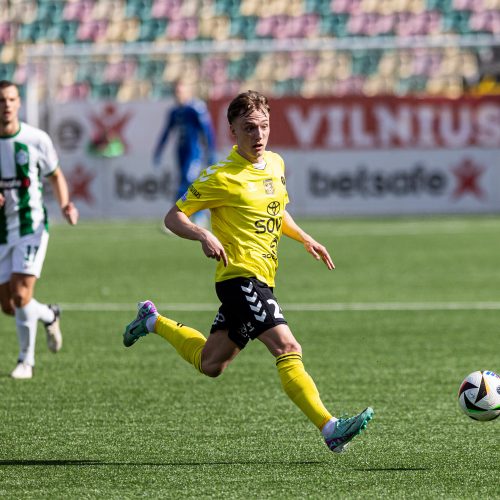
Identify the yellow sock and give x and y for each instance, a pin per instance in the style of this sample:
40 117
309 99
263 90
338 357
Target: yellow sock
301 388
187 341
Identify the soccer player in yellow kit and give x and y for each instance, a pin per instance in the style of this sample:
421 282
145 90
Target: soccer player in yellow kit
247 197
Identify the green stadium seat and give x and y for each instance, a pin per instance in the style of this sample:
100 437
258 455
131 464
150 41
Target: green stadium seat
162 90
50 11
33 32
292 86
64 31
322 7
413 85
440 5
243 27
334 25
364 62
91 71
456 21
243 67
229 8
7 71
150 69
151 29
104 91
139 8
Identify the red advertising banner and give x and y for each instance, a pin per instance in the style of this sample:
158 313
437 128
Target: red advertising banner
364 123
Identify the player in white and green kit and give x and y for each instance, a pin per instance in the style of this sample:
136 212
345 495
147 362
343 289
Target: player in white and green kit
27 155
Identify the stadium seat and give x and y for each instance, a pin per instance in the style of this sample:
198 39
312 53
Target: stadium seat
7 32
133 90
242 67
152 29
230 8
139 8
50 11
365 62
104 91
63 31
456 22
161 90
184 29
7 71
291 86
214 28
334 25
243 27
33 32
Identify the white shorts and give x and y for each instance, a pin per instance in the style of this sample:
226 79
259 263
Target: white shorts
25 255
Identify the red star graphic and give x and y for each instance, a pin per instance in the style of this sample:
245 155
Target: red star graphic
467 174
79 181
110 125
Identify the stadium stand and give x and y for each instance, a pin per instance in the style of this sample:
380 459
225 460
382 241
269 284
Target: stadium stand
354 68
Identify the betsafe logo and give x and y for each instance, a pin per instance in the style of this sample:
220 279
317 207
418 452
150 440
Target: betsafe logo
464 179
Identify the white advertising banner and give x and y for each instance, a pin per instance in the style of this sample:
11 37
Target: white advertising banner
106 150
388 182
344 156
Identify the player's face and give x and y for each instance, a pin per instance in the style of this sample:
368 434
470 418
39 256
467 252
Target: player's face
183 93
251 132
9 107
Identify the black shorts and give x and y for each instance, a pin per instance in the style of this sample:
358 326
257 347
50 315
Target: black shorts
248 309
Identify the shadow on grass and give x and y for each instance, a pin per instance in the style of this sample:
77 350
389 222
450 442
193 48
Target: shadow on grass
148 464
391 469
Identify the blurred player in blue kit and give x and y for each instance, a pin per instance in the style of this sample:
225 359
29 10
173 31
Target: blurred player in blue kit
195 148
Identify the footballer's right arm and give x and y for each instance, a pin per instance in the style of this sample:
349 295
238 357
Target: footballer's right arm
178 222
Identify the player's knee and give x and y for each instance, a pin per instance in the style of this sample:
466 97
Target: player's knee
289 346
7 308
20 299
213 370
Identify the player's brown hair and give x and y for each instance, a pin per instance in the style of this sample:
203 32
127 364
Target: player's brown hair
245 103
6 83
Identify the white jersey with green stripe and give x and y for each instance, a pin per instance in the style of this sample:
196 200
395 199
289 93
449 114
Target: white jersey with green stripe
25 158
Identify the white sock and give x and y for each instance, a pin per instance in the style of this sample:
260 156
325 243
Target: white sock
26 323
150 322
45 313
328 427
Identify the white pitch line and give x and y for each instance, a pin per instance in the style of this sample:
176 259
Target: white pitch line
335 306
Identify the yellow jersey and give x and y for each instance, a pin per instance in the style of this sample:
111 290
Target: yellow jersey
247 202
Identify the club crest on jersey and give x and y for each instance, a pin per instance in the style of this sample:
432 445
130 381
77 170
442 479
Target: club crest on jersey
268 186
22 157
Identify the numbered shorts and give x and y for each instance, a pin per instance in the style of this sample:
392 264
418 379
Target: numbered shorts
25 255
248 309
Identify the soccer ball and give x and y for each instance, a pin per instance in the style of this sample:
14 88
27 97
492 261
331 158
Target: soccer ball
479 395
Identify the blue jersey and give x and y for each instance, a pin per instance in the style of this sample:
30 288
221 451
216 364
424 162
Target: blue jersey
195 133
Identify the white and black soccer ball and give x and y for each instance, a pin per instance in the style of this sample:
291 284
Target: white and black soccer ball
479 395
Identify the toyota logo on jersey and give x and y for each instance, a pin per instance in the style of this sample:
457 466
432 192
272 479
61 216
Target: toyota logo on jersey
273 208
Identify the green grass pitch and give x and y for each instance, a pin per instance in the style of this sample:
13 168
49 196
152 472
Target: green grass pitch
411 309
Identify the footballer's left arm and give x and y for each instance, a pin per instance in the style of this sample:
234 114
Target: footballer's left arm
317 250
61 192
